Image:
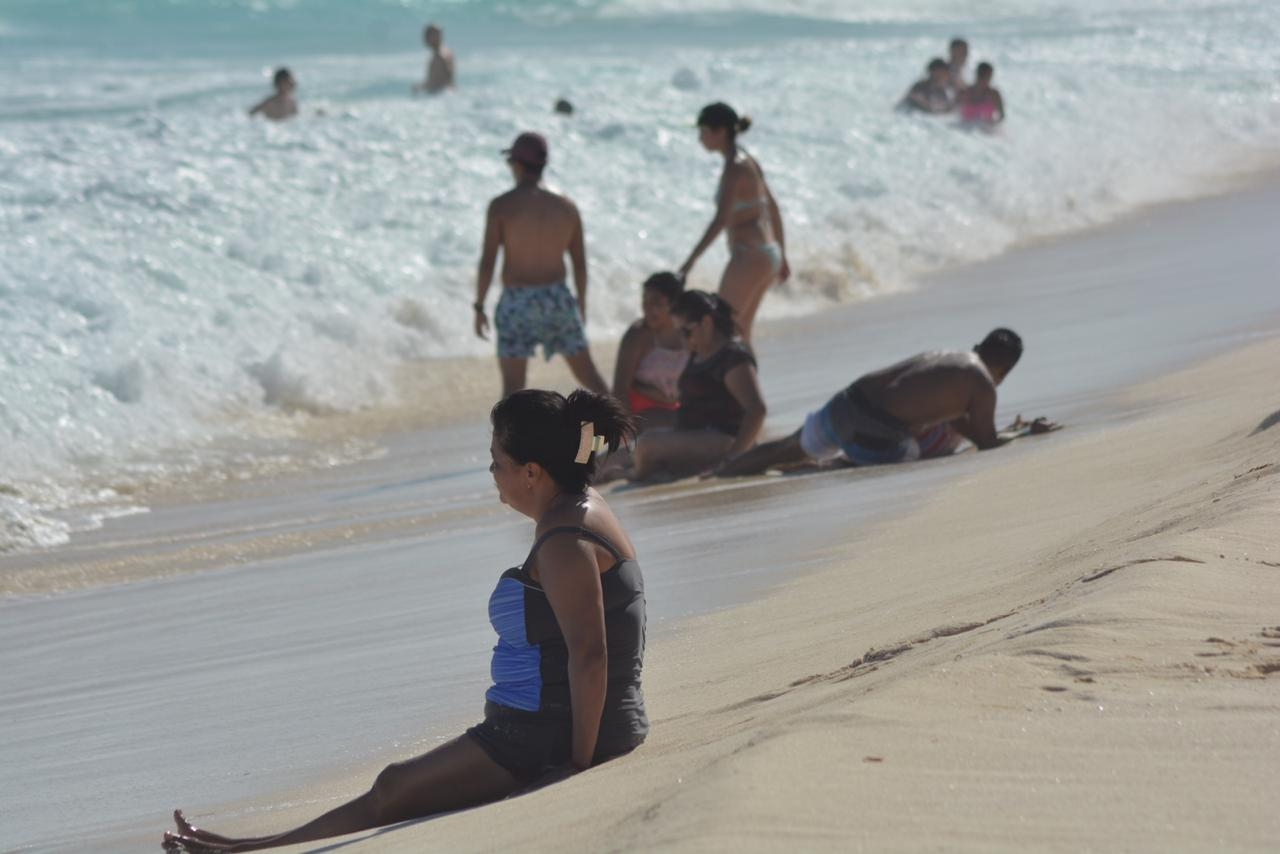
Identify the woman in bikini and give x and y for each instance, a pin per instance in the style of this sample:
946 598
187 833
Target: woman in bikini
570 622
652 356
748 213
981 103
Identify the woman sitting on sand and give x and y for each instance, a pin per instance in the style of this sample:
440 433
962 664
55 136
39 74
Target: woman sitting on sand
981 103
721 406
652 356
570 622
747 211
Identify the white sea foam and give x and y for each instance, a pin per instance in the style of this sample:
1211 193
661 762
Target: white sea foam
168 262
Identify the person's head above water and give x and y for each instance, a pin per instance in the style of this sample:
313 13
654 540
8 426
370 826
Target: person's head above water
543 434
719 125
694 307
985 72
563 107
529 152
1000 351
433 36
283 80
958 50
938 70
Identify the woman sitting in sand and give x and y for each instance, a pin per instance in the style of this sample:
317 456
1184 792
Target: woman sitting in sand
570 622
981 103
721 406
652 356
747 211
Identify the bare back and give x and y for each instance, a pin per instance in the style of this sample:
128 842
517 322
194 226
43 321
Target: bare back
535 228
932 388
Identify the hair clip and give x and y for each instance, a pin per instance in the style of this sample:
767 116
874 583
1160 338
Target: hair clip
589 443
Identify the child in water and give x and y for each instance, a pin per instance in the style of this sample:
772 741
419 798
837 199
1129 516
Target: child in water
282 105
981 103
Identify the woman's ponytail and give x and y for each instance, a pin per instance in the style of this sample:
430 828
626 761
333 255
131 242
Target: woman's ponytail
545 427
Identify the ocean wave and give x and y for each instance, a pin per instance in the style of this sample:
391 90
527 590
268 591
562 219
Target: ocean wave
169 262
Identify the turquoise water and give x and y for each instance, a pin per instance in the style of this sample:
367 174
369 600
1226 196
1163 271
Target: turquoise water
175 274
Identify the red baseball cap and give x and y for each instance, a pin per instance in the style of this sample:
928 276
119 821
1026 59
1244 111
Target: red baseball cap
529 148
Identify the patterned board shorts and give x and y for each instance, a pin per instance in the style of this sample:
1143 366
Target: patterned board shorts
546 315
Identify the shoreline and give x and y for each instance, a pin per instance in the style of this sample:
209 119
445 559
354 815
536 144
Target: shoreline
1069 634
297 447
249 637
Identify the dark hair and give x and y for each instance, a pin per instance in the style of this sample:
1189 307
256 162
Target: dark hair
668 285
281 75
563 107
936 63
695 305
958 42
545 427
1002 347
721 115
985 69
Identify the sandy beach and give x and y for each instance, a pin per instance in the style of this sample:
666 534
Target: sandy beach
1074 650
1069 644
249 530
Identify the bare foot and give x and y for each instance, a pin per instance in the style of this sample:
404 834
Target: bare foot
187 829
192 845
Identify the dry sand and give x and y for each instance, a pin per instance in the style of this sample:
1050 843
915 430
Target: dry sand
1075 650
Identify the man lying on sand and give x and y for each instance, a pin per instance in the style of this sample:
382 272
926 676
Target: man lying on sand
879 417
282 105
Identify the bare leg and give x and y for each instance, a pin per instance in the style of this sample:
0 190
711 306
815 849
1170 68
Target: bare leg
453 776
764 456
681 452
514 372
746 277
585 372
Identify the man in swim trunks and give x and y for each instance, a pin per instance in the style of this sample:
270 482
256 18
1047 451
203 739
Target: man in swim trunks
534 228
879 418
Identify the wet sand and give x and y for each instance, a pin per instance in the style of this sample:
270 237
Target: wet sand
285 637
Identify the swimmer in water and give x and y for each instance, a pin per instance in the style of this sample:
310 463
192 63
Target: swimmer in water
282 105
930 95
981 103
441 68
570 621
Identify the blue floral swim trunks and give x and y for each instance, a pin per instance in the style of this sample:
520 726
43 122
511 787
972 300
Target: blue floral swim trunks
544 314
